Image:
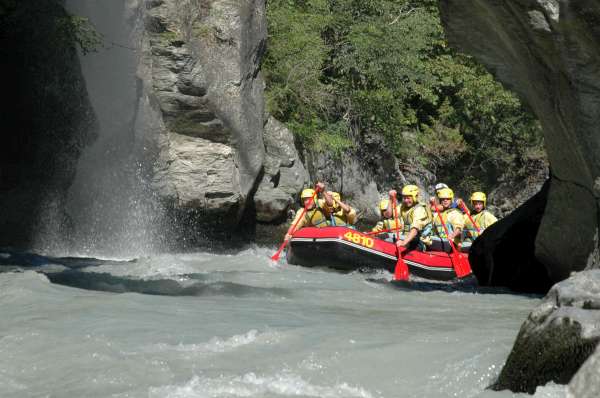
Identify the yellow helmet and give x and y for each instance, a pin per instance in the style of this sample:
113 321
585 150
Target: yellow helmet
411 190
307 193
445 193
383 205
478 196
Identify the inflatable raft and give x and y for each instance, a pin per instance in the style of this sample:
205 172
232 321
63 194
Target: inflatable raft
348 250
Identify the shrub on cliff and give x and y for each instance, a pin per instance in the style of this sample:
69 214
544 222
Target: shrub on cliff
340 70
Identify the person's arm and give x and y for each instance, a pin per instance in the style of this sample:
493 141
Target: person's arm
300 224
435 206
344 206
329 200
457 221
408 238
351 215
378 227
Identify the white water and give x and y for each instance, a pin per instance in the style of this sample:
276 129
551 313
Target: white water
110 204
248 328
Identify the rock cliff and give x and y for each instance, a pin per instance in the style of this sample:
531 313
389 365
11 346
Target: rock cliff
46 119
202 108
548 51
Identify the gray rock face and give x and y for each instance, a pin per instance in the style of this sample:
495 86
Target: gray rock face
557 338
284 174
201 113
585 382
548 51
364 175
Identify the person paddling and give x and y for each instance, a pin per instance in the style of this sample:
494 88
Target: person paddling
388 220
413 216
455 204
482 217
339 214
451 217
313 216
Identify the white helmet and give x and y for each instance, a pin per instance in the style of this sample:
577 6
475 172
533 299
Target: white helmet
440 185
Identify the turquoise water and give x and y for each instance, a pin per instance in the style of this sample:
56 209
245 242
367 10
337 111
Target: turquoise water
206 325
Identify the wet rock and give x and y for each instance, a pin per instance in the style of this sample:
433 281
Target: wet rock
548 51
284 174
585 383
557 338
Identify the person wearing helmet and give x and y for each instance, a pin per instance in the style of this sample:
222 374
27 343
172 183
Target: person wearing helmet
338 213
414 218
434 200
452 218
480 215
314 216
388 221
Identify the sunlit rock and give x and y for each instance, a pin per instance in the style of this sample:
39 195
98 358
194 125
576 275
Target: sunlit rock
202 112
557 337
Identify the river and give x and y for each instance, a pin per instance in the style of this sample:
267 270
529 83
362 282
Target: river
238 325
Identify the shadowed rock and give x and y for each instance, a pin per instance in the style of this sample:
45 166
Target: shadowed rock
548 51
504 254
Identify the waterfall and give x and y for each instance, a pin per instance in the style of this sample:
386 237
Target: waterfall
112 210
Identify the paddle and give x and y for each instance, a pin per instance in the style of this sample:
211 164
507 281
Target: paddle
275 257
401 269
461 265
468 213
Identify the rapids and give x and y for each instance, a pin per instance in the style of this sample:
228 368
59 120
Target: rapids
237 325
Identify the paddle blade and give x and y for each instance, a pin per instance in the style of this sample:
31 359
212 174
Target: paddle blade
275 257
401 270
462 267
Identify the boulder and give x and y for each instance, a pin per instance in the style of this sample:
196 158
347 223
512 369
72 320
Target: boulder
504 253
585 383
557 338
548 51
284 174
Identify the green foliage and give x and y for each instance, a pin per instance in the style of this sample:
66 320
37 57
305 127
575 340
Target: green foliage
80 30
337 69
59 28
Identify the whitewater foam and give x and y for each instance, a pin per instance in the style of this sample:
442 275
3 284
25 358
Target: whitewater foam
253 385
220 345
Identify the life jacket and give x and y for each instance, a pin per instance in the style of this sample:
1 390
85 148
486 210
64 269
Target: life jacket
316 217
438 228
390 225
408 217
470 230
338 219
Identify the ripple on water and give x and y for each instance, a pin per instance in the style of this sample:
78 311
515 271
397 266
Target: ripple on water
253 385
220 345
